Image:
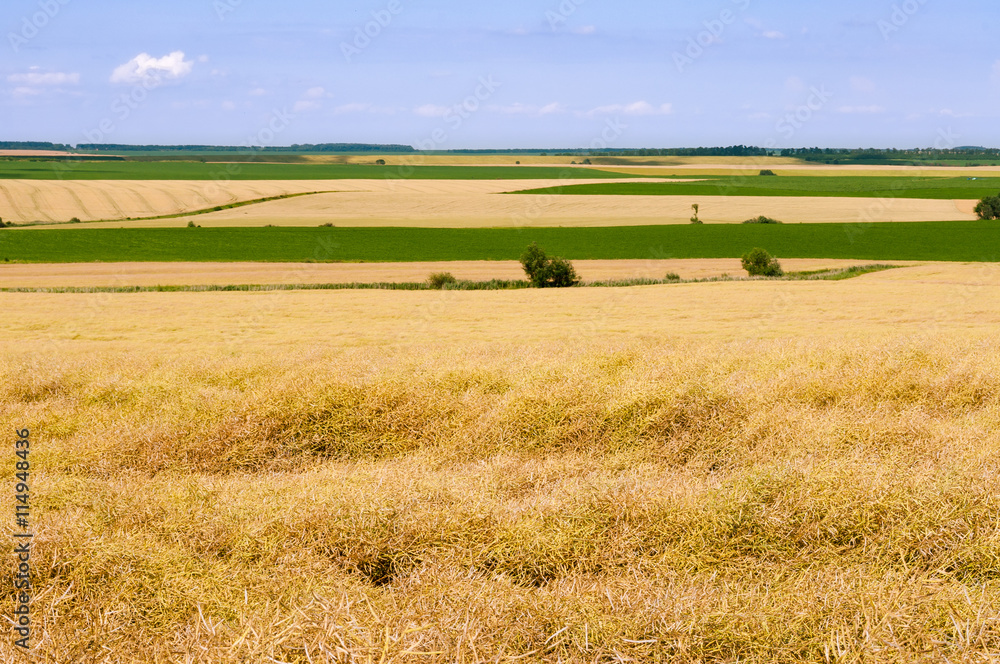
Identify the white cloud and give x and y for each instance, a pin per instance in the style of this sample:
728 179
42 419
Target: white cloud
316 93
862 84
306 105
36 78
352 108
516 109
144 66
585 30
25 92
867 110
258 92
774 34
528 109
431 111
635 108
228 106
759 116
357 107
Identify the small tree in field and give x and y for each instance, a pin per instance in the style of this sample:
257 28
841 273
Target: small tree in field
759 263
440 280
545 272
695 219
989 208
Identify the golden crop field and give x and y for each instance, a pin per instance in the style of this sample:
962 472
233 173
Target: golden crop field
98 275
752 471
428 203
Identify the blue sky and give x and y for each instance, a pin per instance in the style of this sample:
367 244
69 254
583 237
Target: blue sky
445 74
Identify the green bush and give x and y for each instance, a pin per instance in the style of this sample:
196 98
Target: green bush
439 280
74 220
762 220
989 208
545 272
767 171
380 162
759 263
672 276
695 219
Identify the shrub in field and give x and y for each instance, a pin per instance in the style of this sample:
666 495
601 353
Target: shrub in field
762 220
989 208
380 162
767 171
695 219
191 224
672 276
758 263
545 272
439 280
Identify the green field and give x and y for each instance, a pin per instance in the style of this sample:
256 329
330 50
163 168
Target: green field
942 241
160 170
941 188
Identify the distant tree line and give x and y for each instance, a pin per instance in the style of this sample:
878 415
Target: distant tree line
731 151
309 147
890 156
33 145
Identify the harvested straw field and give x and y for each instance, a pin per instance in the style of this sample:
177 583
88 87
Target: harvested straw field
761 472
57 275
425 203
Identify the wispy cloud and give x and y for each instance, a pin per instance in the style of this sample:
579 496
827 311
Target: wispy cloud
38 79
360 107
863 110
144 66
431 111
773 34
635 108
305 105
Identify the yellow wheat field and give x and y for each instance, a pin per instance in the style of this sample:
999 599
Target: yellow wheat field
62 275
426 203
753 472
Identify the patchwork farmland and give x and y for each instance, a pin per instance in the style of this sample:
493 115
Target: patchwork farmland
708 467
